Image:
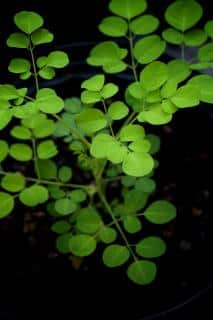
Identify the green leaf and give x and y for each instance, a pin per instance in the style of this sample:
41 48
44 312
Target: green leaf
127 8
19 65
144 25
82 245
47 169
48 102
88 221
142 145
90 97
4 150
109 90
47 73
149 49
57 59
195 37
65 206
201 65
160 212
115 255
154 75
47 149
62 243
34 195
65 173
134 200
21 133
91 120
13 182
203 84
78 195
155 143
168 107
46 128
8 92
145 184
205 53
6 204
179 70
169 88
21 152
173 36
107 235
183 15
142 272
73 105
132 132
137 164
94 83
41 36
118 110
61 227
56 193
5 118
41 62
209 28
186 96
136 91
18 40
108 55
25 75
151 247
28 21
155 116
132 224
114 26
98 142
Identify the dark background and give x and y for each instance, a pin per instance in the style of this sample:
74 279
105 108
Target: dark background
35 283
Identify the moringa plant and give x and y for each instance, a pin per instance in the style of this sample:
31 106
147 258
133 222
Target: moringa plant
89 162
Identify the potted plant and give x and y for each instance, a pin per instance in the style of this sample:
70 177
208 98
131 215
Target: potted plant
90 161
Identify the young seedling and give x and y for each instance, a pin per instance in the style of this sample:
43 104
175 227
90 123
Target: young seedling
104 131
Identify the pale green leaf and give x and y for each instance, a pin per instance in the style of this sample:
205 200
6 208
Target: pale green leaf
28 21
149 49
47 149
160 212
114 26
142 272
34 195
41 36
186 96
115 255
18 40
13 182
91 120
183 14
118 110
137 164
94 83
154 75
144 25
127 8
21 152
82 245
6 204
151 247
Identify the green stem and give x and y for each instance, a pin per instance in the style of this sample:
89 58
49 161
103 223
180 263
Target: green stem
131 47
36 166
34 66
105 110
72 130
115 221
54 183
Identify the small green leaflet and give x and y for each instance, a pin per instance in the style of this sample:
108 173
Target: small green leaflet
115 255
142 272
160 212
6 204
